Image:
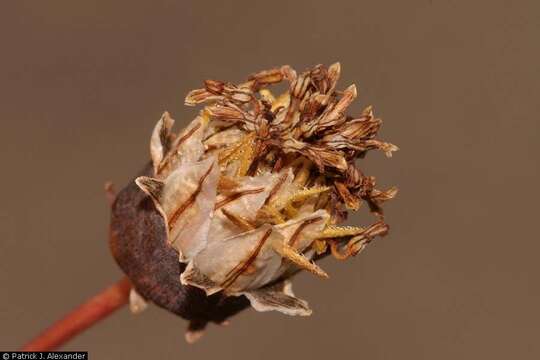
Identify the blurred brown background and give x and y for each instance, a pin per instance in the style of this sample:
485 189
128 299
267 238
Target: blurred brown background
82 84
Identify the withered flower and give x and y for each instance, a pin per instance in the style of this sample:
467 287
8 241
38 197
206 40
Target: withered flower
249 193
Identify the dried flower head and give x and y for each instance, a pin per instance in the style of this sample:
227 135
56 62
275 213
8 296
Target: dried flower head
252 191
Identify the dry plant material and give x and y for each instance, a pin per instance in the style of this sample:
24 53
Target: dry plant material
249 193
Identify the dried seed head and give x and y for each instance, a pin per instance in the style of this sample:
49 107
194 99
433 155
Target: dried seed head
253 189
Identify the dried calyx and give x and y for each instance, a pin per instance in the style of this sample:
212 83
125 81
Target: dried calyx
256 186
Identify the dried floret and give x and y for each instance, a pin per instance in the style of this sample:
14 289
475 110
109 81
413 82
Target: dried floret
255 187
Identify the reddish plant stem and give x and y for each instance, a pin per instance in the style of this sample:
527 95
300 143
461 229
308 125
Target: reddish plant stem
83 317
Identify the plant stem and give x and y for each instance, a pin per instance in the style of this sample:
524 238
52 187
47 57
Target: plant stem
83 317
